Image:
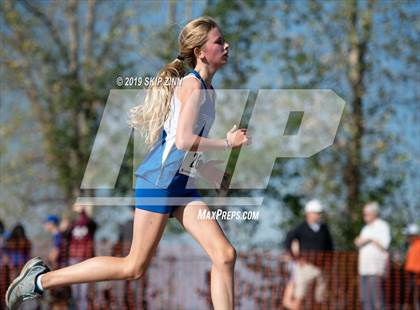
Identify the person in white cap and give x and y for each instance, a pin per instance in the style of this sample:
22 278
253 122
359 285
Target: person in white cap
412 265
315 245
373 243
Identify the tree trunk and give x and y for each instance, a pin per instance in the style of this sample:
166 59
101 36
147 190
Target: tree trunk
356 71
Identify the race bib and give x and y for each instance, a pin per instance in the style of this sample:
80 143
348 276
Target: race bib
189 164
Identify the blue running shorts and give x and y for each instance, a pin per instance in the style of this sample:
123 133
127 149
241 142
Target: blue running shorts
156 199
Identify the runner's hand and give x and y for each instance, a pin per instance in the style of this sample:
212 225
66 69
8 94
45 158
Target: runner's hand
237 137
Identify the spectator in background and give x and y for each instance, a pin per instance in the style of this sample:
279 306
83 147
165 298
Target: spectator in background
289 302
412 265
81 248
82 235
4 275
1 240
373 243
313 242
16 252
65 230
57 258
17 249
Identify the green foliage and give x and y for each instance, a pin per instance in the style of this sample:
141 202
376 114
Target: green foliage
65 99
366 51
340 46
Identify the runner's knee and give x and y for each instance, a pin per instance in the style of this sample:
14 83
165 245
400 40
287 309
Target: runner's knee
225 257
134 269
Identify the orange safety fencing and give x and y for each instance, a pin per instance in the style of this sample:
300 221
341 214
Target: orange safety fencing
182 281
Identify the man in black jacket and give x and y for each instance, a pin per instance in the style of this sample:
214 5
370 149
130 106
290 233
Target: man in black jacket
313 254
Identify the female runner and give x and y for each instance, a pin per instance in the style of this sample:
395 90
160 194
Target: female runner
175 119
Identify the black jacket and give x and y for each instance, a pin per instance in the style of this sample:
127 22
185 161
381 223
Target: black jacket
313 246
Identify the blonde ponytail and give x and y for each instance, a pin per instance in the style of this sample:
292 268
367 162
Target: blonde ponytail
150 116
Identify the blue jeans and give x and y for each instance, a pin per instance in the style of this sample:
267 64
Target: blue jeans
372 292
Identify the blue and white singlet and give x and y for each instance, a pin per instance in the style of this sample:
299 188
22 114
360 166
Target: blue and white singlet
166 166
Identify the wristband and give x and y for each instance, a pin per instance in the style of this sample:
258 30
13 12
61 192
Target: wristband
227 145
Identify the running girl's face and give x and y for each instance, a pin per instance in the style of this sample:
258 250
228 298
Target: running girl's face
216 48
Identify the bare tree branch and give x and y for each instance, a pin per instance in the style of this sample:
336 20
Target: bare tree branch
50 27
74 36
90 21
117 20
172 13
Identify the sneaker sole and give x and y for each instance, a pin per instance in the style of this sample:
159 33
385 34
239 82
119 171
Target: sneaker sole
32 262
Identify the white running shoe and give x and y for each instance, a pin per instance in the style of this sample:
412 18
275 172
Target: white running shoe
23 287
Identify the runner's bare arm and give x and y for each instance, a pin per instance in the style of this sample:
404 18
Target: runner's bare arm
190 97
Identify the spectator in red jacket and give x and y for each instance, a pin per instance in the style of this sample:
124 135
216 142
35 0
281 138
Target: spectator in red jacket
412 264
82 235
